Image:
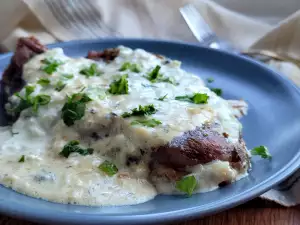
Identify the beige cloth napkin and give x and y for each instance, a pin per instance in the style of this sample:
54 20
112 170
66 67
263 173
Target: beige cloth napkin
63 20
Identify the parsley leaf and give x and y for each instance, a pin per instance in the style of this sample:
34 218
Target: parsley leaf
74 108
68 76
154 76
60 85
262 151
22 159
44 82
196 98
29 90
40 100
218 91
73 146
132 67
187 185
109 168
210 80
91 71
50 65
27 101
146 123
162 98
119 87
141 111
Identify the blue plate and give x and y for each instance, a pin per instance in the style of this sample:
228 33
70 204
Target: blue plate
273 120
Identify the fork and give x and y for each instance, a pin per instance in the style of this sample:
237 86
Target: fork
204 34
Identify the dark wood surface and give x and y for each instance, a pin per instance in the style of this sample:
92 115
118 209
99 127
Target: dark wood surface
255 212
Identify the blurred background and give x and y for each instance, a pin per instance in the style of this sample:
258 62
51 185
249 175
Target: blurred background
62 20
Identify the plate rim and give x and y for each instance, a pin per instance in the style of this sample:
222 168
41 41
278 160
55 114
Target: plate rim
187 213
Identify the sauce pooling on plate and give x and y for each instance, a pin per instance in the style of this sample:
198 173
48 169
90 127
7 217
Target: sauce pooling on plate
87 130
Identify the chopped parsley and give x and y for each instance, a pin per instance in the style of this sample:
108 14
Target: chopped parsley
163 97
28 101
50 65
197 98
91 71
132 67
44 82
119 87
74 108
29 90
40 100
146 122
73 146
262 151
141 111
187 185
218 91
60 85
210 80
67 76
154 76
108 168
22 159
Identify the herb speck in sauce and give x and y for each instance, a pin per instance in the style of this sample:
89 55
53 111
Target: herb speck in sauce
74 108
187 185
108 168
72 147
197 98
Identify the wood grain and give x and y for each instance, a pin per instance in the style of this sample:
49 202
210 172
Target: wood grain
255 212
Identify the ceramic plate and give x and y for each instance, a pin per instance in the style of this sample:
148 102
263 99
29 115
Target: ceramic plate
273 120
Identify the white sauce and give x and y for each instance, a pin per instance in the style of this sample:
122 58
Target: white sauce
77 179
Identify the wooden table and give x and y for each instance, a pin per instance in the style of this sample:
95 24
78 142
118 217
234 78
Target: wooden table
255 212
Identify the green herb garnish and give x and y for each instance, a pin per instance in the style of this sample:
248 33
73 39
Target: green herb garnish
43 82
119 87
28 101
196 98
146 123
187 185
218 91
40 100
22 159
60 85
74 108
163 97
73 146
154 76
141 111
50 65
68 76
91 71
29 90
109 168
262 151
210 80
25 101
132 67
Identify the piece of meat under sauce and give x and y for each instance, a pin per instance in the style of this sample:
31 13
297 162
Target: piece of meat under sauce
12 78
199 146
25 50
107 54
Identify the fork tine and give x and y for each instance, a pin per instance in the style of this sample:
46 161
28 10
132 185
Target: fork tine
197 24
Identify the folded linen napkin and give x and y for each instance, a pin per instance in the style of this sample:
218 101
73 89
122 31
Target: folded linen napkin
63 20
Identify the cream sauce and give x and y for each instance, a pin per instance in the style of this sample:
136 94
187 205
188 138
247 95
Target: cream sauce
77 179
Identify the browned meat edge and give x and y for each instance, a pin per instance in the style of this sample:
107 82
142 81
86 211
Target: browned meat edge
198 146
12 80
107 54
